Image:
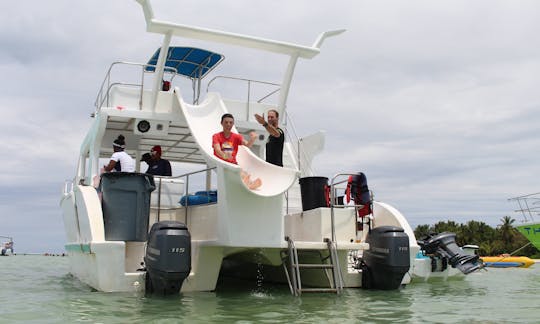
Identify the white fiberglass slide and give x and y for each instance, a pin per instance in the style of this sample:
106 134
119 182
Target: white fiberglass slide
204 121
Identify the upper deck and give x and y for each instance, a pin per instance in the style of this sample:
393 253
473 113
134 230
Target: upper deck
125 102
145 102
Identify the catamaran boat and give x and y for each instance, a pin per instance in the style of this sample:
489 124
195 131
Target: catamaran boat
138 232
6 248
529 226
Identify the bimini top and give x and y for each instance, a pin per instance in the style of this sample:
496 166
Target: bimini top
191 62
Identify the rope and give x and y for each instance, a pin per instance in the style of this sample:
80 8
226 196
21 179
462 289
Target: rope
509 255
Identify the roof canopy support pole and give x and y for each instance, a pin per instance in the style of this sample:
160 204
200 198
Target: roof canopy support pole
286 84
208 179
160 67
81 167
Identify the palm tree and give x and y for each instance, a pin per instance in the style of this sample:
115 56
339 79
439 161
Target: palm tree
448 226
422 231
475 232
507 231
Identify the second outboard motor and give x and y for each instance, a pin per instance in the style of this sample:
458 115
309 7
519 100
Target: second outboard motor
168 257
444 245
387 260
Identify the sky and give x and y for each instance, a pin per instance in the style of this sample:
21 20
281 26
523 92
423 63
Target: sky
435 101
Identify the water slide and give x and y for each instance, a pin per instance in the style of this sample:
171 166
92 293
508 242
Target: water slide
204 121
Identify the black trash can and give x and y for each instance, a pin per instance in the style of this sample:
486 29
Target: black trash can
314 192
126 205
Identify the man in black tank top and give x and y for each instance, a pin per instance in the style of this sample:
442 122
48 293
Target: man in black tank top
276 137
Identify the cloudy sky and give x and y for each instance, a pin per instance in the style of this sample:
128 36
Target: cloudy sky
436 101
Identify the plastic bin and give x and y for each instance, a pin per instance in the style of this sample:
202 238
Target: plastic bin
314 192
126 205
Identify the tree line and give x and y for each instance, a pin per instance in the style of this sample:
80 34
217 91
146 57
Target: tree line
491 241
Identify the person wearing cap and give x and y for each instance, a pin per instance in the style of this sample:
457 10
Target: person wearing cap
120 160
147 157
157 165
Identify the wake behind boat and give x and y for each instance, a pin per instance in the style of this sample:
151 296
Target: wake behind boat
294 227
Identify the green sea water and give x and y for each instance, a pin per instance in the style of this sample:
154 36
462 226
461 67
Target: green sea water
39 289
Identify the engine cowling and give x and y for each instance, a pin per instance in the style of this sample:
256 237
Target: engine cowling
167 258
387 260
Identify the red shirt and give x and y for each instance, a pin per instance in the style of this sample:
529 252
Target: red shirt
229 145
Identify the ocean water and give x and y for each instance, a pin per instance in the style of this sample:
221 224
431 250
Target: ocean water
39 289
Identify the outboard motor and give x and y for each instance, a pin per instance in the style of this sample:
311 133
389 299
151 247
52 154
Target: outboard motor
168 257
444 245
387 260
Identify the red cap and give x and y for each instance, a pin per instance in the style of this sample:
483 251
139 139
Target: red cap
157 148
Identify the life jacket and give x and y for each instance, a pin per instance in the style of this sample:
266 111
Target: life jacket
327 195
357 189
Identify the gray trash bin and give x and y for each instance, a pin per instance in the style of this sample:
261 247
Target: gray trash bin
126 205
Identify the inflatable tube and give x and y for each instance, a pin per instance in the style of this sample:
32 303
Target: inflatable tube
199 198
503 264
507 261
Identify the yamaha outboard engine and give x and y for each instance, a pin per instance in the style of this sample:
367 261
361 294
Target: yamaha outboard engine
168 257
387 260
444 245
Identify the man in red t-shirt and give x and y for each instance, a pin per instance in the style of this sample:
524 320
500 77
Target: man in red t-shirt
225 144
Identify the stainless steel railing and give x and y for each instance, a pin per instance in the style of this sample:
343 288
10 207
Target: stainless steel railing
529 205
187 176
103 95
335 204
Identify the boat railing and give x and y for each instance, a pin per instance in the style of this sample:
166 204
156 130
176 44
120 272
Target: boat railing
335 182
68 187
297 150
103 96
186 178
8 237
255 91
529 205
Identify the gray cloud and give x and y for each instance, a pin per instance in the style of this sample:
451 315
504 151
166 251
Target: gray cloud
435 101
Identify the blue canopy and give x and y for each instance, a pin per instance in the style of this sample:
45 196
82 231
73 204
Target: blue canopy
191 62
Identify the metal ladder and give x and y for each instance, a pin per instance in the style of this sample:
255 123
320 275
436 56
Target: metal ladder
294 280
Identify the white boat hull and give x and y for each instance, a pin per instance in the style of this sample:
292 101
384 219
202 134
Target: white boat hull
245 226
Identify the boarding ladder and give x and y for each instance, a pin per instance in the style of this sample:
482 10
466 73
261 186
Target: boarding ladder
329 262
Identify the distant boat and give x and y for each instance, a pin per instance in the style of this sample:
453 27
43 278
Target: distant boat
530 225
504 261
7 247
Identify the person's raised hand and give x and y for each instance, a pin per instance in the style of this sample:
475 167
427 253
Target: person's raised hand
260 118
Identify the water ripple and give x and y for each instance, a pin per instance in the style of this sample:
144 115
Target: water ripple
37 289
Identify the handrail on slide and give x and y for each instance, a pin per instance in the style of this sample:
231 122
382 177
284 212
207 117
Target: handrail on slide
204 121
